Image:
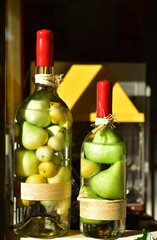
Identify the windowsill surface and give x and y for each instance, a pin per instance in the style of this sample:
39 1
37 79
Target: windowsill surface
76 235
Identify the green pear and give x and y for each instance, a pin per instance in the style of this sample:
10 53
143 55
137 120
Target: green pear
35 109
45 153
110 183
89 168
107 135
37 117
36 178
47 169
63 175
87 192
57 142
26 162
53 130
100 153
33 137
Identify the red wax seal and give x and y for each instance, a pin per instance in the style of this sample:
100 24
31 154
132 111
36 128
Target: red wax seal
104 98
44 48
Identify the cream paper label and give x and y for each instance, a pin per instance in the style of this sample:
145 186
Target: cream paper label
102 209
42 191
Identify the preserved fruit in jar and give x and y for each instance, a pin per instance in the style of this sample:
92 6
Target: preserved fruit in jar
102 193
42 153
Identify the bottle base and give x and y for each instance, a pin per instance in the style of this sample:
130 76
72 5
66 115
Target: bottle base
41 227
110 229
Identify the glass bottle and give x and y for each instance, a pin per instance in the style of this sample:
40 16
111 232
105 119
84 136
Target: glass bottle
42 153
102 195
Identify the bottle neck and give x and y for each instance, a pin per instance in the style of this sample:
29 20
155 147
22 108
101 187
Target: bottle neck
44 70
41 81
50 89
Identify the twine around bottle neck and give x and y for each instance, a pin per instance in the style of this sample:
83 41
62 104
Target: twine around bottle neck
48 79
100 122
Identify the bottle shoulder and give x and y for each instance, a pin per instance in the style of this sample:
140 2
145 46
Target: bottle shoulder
44 98
104 135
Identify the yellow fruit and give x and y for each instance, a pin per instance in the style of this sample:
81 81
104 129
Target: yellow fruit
36 178
27 202
22 202
61 116
47 169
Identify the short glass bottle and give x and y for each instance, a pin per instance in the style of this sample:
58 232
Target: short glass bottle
42 161
102 193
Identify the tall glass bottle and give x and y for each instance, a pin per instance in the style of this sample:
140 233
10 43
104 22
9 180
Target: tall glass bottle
103 173
42 153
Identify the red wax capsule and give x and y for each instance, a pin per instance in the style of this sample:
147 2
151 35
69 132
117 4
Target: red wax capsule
104 98
44 48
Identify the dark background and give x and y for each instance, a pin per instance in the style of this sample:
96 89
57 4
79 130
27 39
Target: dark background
89 30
